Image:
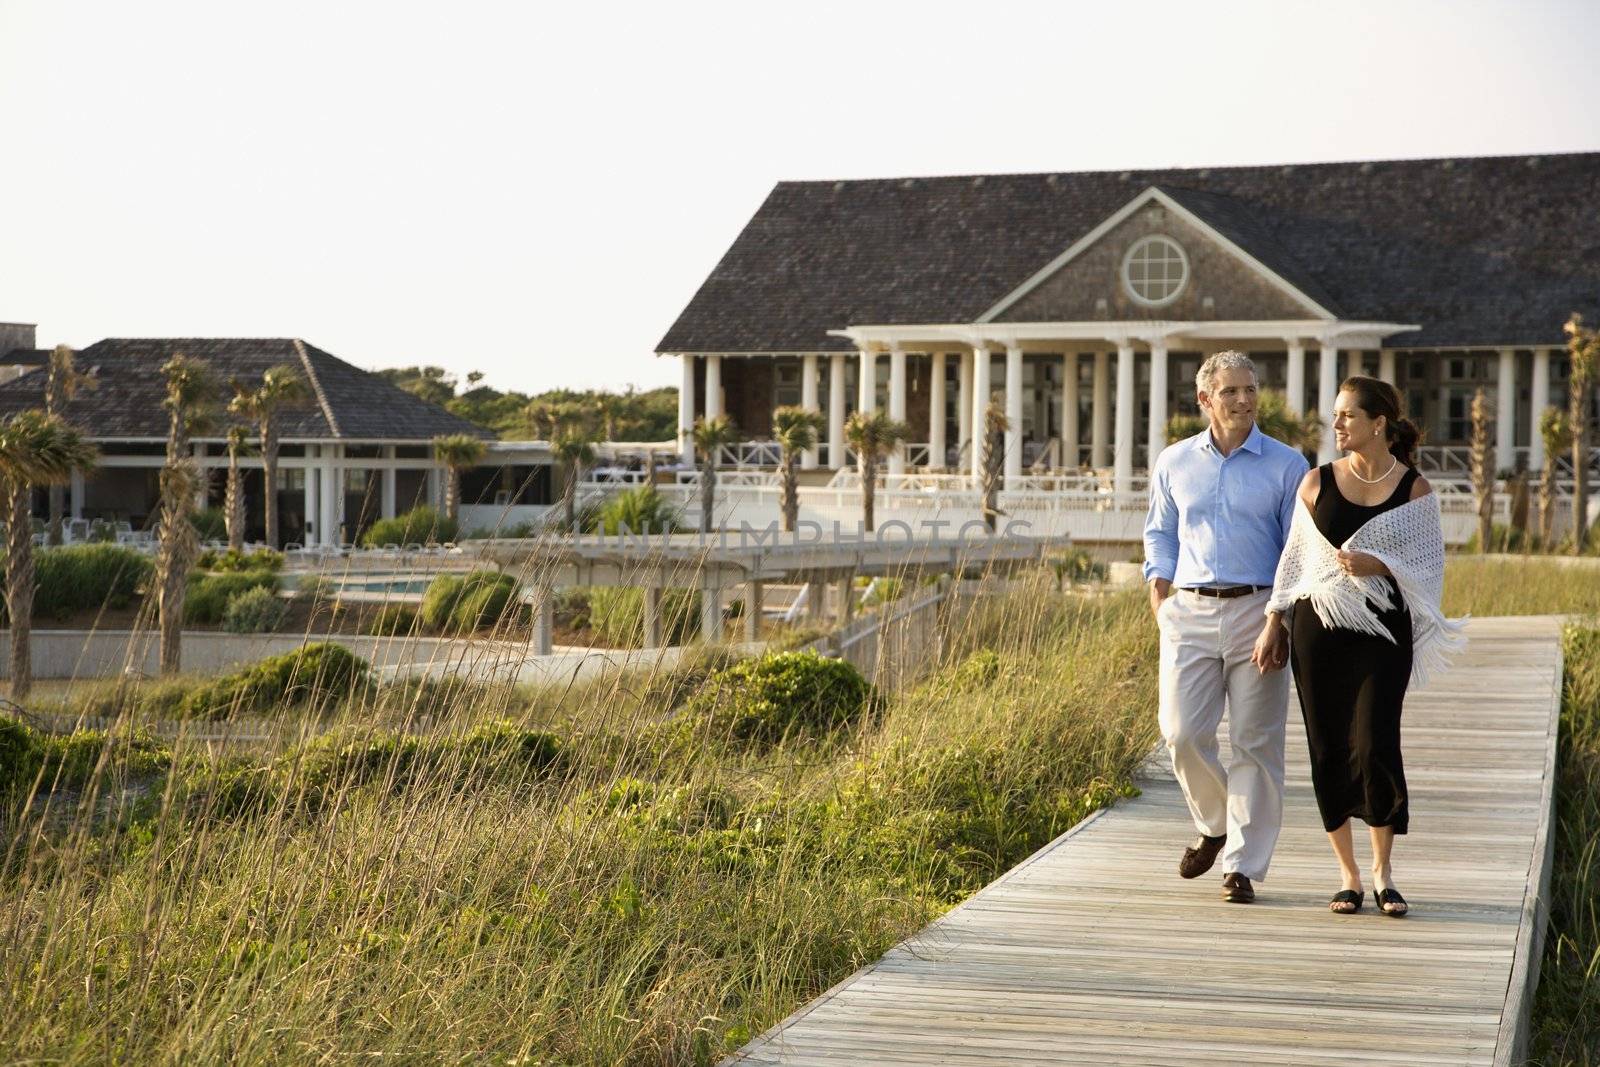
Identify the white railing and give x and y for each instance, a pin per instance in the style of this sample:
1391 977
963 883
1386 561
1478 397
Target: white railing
733 477
750 454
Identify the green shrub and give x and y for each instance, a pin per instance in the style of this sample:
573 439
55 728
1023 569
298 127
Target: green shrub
493 750
88 577
208 595
263 559
69 761
312 674
764 700
391 619
211 524
640 510
617 613
455 603
884 590
254 611
420 525
977 671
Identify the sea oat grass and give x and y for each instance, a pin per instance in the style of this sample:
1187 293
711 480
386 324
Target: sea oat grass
604 895
1566 1013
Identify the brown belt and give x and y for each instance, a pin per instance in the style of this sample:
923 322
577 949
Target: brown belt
1228 592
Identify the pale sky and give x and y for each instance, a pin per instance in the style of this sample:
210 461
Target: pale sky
536 190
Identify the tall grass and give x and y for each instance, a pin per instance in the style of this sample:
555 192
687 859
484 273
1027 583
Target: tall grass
605 879
1531 585
1566 1014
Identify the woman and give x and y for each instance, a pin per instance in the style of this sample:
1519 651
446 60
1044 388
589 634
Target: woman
1367 550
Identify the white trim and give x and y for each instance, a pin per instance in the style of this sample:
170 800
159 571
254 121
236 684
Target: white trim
917 336
1121 215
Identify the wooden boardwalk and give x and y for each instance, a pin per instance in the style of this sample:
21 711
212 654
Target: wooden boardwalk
1095 951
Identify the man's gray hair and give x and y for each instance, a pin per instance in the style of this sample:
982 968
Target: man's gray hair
1205 381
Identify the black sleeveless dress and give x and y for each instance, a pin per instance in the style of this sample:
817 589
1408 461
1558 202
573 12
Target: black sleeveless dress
1352 685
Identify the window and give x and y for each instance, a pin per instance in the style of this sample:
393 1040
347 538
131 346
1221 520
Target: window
1155 270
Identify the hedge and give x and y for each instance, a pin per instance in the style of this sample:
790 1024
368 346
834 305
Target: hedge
455 603
208 596
88 577
420 525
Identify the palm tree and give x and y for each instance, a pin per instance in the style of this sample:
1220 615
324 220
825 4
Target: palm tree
35 449
1483 470
1273 416
233 499
1557 436
992 463
281 387
458 452
710 435
873 436
62 383
541 418
190 402
796 430
1584 346
574 451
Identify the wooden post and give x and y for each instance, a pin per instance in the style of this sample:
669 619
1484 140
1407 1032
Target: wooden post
752 609
816 592
710 609
544 610
847 597
652 616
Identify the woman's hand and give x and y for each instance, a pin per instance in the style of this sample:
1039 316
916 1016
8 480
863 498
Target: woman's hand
1361 565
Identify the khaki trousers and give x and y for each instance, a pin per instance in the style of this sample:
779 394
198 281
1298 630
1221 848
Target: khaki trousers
1206 644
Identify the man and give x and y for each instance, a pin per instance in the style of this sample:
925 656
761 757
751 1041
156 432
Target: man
1220 505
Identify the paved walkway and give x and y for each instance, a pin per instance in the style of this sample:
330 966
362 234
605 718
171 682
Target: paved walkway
1094 951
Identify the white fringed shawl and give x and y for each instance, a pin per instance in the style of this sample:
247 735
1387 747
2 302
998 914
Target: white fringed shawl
1409 540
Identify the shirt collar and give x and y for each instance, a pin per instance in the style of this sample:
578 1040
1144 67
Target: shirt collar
1252 441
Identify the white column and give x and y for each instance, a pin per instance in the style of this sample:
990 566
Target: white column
1386 365
544 601
686 411
1295 385
313 523
964 403
1354 363
713 387
980 401
836 410
710 609
1538 400
808 400
1123 474
752 609
1327 391
388 483
75 496
1013 411
1505 418
332 497
1069 410
1100 414
1158 400
936 406
897 403
867 382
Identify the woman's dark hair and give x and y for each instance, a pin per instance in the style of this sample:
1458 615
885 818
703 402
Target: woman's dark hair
1377 397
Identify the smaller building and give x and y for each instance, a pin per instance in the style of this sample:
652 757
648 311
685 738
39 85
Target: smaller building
358 449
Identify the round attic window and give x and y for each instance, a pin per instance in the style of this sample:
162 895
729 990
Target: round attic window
1155 270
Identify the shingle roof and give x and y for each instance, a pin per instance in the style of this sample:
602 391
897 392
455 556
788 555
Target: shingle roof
348 402
1478 251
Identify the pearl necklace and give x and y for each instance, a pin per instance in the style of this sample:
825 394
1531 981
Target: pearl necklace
1351 466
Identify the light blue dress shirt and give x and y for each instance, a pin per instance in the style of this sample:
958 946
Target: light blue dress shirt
1220 520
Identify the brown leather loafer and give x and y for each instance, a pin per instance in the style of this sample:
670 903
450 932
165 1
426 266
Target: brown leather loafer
1198 858
1236 889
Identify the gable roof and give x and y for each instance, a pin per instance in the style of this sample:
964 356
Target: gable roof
1478 251
347 403
1228 222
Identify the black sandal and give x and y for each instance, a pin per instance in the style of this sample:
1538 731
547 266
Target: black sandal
1347 896
1388 898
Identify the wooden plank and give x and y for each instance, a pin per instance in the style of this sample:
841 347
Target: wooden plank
1094 951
